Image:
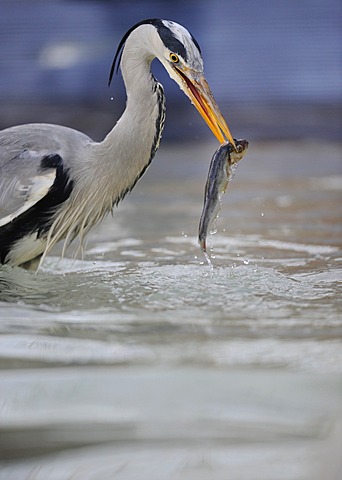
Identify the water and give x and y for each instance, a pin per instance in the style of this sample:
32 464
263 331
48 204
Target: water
142 362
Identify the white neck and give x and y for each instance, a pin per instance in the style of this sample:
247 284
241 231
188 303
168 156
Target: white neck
128 149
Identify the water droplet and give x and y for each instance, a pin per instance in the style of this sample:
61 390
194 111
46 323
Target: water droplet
112 98
209 262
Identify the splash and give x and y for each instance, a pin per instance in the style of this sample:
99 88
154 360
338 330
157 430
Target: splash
208 260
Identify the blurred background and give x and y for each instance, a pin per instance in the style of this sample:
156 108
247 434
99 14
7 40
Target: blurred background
139 361
274 67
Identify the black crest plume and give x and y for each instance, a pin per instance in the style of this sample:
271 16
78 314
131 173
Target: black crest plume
166 36
118 54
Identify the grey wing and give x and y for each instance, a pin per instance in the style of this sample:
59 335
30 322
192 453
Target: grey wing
25 175
22 181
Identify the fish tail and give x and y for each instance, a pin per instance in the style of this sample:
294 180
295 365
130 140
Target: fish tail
203 244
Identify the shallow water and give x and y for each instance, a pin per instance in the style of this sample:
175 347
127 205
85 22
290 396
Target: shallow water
142 362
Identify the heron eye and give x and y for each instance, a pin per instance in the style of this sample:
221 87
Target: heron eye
174 58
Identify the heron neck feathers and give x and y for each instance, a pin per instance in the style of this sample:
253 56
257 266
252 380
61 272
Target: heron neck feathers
129 148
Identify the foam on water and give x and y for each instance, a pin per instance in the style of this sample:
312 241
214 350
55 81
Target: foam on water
227 289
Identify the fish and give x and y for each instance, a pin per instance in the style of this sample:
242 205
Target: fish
221 171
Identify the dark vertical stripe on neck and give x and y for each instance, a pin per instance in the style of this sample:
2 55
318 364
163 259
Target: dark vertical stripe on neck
159 124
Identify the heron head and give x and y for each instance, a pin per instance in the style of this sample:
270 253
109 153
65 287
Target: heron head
180 54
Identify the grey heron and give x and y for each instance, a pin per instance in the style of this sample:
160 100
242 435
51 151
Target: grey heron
56 182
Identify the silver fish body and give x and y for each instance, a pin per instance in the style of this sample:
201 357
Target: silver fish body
220 172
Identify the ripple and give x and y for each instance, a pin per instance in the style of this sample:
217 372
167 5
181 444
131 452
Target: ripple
27 350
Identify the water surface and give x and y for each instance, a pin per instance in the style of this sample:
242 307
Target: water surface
139 361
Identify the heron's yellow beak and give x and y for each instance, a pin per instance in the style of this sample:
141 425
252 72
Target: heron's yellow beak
197 89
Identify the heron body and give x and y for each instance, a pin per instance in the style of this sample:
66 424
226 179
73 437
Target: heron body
56 182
